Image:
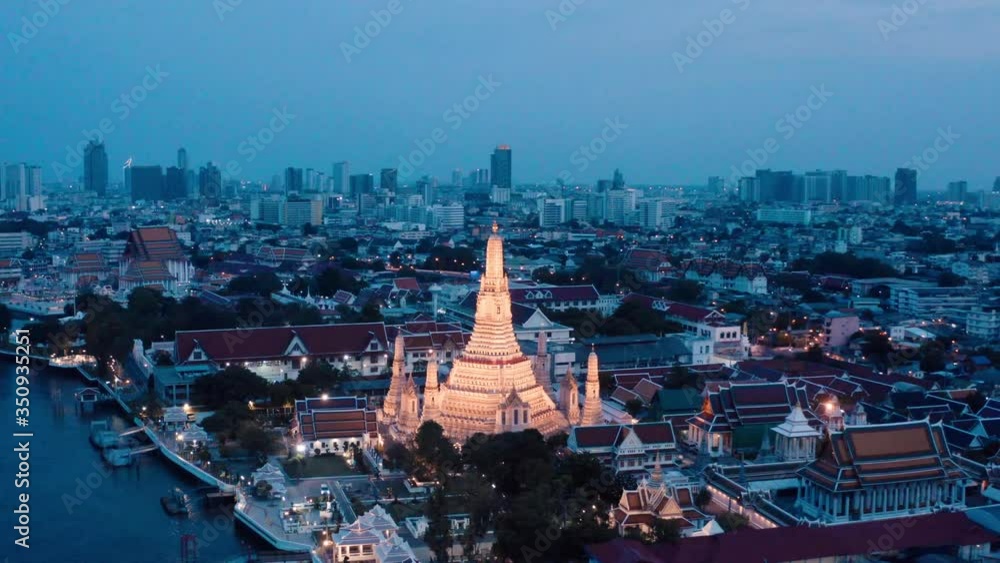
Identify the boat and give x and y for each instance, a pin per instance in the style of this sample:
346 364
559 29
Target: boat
176 503
118 457
101 434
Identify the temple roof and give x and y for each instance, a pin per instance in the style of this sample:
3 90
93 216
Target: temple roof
863 456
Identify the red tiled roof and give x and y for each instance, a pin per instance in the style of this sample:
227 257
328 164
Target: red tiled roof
154 243
336 417
944 529
867 455
229 345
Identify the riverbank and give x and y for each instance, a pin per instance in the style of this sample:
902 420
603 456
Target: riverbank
240 511
60 391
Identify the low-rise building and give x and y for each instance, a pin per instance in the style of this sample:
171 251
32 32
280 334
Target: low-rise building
627 448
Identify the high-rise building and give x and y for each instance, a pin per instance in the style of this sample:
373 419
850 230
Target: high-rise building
618 180
906 187
15 184
361 184
293 180
817 186
182 158
95 168
750 188
174 183
500 167
551 212
146 182
299 212
716 185
604 186
877 189
996 185
456 177
958 191
447 217
341 177
388 179
838 179
778 186
210 181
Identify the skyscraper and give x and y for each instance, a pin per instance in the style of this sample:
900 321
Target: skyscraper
387 180
293 180
15 184
210 181
996 185
362 184
182 158
500 167
958 191
456 177
95 168
146 182
906 187
174 184
618 181
341 177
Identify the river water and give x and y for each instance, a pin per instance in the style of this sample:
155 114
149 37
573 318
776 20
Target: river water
82 512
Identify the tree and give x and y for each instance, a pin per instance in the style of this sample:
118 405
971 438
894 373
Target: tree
438 535
949 279
686 291
434 452
633 407
321 375
731 521
255 439
107 332
233 384
5 319
263 284
703 497
666 531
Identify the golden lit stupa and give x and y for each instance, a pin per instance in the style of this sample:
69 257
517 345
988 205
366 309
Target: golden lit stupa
492 387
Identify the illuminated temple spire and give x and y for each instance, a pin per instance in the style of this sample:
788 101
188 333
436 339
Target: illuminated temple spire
592 402
492 368
390 408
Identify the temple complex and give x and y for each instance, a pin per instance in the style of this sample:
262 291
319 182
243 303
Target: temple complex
882 471
493 387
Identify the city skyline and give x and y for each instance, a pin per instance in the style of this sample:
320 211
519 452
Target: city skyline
688 113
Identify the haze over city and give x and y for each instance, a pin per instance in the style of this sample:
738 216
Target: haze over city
560 77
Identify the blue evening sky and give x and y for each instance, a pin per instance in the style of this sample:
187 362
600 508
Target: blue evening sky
893 88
